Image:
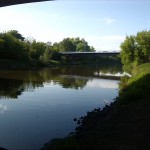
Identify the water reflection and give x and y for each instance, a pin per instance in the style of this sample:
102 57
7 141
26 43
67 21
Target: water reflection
3 108
14 83
47 101
103 84
10 88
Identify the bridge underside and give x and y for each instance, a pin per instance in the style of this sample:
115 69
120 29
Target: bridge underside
15 2
86 54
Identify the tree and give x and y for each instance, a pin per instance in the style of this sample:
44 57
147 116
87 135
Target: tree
14 46
1 44
143 40
80 47
56 47
128 48
67 45
37 49
135 50
47 55
73 45
11 47
92 49
16 34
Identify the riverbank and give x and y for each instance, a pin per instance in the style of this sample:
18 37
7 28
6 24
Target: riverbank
6 64
124 124
14 64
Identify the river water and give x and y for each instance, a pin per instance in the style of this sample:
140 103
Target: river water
38 105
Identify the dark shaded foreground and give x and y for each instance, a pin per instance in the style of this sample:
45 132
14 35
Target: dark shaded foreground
124 124
124 127
3 148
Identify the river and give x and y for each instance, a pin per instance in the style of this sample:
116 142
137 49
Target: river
38 105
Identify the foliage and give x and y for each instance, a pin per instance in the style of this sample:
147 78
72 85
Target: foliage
135 50
123 83
37 49
13 46
136 87
16 35
144 68
73 45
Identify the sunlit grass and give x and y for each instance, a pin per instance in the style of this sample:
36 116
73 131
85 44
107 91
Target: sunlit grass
142 69
138 86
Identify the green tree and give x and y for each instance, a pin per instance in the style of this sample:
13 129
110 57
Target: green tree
73 45
1 44
80 47
67 45
11 47
56 47
83 46
14 46
92 49
128 48
47 55
143 44
16 34
135 50
37 49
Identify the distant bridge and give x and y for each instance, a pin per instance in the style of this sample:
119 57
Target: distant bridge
74 57
15 2
84 54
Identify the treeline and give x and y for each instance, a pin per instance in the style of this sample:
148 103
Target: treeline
14 46
135 50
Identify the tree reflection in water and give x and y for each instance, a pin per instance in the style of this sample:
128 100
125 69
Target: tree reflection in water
13 83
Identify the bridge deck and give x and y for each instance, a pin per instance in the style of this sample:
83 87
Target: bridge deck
89 53
15 2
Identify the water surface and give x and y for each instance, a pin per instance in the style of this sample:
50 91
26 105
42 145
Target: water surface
38 105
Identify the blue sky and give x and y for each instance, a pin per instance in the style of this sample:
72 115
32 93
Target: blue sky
103 23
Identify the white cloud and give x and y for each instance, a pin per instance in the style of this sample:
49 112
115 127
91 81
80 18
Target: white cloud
3 108
108 20
102 83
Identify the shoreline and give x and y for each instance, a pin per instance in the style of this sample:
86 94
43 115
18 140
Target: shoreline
121 125
7 64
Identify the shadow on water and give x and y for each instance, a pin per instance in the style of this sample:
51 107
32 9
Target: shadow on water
14 83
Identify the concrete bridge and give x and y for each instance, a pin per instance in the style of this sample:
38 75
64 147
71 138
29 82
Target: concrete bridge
74 57
84 54
15 2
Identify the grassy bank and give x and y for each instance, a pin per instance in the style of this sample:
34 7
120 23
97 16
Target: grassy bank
136 87
124 124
